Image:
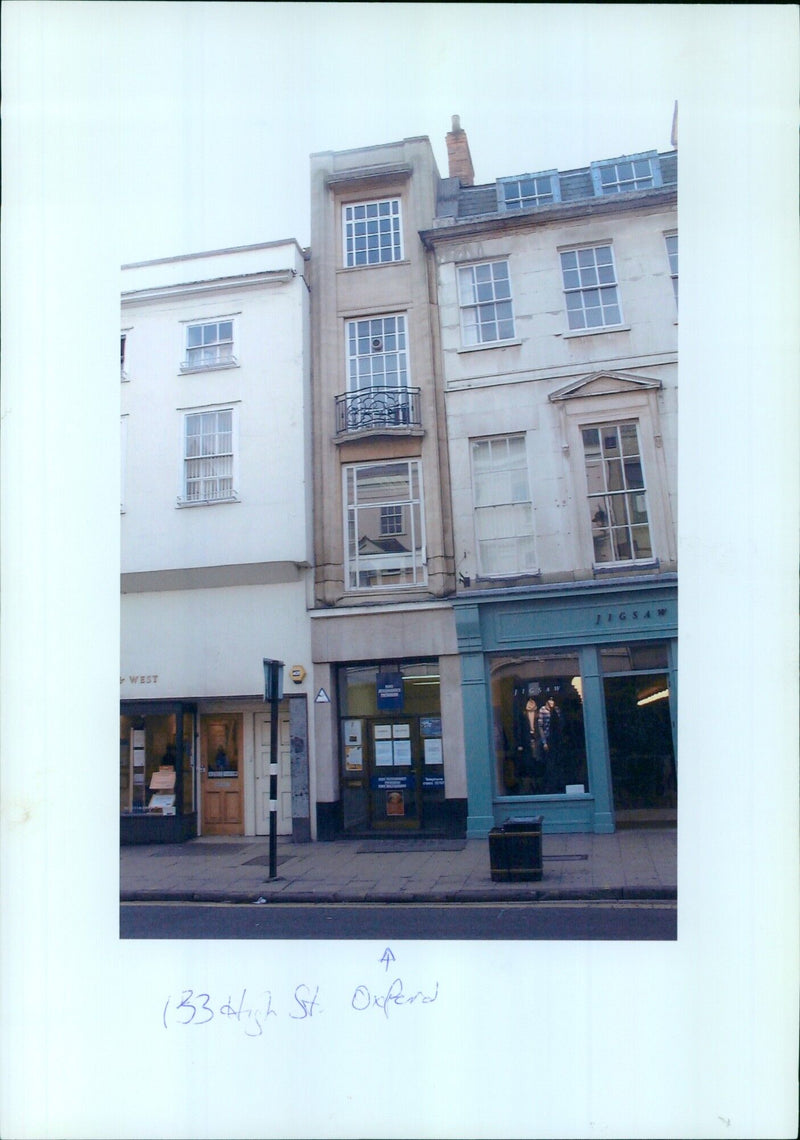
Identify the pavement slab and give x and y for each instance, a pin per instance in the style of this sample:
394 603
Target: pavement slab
633 864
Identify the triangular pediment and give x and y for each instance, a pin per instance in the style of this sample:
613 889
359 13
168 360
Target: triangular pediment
604 384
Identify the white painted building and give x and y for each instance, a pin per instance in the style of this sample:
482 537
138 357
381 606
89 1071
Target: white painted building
216 539
557 302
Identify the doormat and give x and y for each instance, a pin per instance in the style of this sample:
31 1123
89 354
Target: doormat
401 846
202 849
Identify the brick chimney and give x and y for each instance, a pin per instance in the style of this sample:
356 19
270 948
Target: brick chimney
459 160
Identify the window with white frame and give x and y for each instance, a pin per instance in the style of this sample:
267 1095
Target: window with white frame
377 355
617 503
385 526
123 344
672 254
372 232
123 455
209 345
208 457
590 287
631 172
529 190
484 296
503 510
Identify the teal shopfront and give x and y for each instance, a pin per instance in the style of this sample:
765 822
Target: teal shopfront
570 704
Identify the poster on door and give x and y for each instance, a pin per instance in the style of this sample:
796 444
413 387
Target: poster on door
353 750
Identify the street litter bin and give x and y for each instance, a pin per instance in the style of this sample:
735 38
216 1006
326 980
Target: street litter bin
515 850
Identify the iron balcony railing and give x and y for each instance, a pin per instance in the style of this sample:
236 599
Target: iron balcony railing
374 409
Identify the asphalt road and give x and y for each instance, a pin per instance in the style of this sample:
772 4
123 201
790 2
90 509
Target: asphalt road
507 921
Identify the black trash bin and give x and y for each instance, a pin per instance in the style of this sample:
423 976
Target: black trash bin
515 850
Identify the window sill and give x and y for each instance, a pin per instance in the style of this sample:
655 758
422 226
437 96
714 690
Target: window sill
594 332
490 344
503 579
375 265
365 592
219 366
183 503
631 564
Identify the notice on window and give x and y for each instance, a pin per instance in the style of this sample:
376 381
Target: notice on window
401 731
353 751
433 751
384 755
402 751
383 732
430 725
353 758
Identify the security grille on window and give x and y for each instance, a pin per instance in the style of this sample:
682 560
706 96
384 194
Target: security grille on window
484 293
208 457
529 190
590 287
672 254
372 233
503 508
635 172
617 495
209 345
385 526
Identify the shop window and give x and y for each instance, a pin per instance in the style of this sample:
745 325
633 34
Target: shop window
385 525
147 745
617 496
640 742
537 712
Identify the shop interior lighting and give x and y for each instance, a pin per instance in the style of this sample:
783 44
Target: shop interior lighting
659 696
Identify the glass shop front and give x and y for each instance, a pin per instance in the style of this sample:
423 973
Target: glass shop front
157 772
540 730
391 746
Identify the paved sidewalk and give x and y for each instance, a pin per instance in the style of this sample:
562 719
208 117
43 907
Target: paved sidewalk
636 864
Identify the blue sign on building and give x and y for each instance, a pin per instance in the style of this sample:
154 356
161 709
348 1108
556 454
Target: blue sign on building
390 691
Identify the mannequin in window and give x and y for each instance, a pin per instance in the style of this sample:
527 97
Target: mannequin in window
549 731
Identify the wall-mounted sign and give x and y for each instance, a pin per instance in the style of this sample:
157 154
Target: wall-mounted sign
322 698
390 690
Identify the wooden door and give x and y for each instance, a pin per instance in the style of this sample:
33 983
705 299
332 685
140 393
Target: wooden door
284 807
221 764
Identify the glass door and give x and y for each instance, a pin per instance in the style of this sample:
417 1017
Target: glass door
395 778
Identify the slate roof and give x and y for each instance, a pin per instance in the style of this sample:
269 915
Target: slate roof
575 185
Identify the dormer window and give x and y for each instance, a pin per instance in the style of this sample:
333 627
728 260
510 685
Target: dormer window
528 190
630 172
